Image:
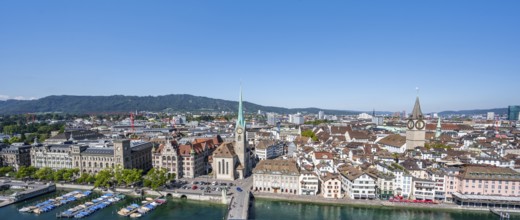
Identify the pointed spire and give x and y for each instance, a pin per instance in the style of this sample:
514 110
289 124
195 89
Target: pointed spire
439 129
240 119
416 112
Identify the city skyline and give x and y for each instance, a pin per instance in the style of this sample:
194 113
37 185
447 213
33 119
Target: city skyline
293 54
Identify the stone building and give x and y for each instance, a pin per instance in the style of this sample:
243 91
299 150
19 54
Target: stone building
188 160
123 153
277 176
16 155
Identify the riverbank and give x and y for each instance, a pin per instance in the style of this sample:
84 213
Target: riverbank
197 196
372 203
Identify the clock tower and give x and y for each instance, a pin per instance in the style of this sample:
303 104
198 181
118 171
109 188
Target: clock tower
241 146
415 133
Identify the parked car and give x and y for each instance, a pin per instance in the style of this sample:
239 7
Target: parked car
194 187
239 189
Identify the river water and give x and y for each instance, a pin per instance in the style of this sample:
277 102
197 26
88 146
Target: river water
263 209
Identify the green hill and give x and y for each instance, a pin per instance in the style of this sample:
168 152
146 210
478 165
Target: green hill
120 103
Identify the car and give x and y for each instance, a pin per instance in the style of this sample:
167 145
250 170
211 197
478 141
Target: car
194 187
214 183
201 188
239 189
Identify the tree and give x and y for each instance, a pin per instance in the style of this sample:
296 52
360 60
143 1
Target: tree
309 133
103 178
45 173
132 176
26 172
83 178
155 178
70 173
5 170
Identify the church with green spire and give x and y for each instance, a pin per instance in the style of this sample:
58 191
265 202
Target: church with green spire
232 160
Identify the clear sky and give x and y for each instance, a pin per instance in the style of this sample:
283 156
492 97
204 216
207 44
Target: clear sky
349 55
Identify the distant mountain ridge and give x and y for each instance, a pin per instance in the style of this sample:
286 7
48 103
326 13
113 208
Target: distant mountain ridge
121 103
178 102
498 111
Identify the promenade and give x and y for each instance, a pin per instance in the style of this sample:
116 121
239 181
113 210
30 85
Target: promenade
369 203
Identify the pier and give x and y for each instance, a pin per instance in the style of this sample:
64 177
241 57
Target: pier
31 189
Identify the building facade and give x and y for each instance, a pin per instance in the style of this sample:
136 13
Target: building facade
359 185
188 160
276 176
16 155
512 112
309 182
87 159
331 187
268 149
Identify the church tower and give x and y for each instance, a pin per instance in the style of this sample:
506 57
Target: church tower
415 133
241 146
438 132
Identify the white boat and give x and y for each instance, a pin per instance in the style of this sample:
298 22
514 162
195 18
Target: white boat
135 215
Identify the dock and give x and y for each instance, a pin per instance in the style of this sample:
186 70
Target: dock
51 204
31 190
501 214
91 207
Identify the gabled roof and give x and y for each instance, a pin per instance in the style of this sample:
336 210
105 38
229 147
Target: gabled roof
394 140
226 149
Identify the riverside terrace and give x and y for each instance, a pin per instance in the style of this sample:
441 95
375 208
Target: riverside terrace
482 201
31 190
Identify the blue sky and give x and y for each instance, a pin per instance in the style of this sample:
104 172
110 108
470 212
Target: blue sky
355 55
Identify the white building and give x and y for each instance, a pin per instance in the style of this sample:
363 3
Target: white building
364 116
309 182
423 189
272 118
268 149
358 184
276 176
490 116
298 119
321 115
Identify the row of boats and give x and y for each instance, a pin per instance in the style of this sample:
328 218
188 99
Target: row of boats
90 207
51 204
136 211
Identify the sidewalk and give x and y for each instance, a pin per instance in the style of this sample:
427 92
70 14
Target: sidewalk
372 203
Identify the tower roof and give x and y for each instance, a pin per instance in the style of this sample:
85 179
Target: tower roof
416 112
240 120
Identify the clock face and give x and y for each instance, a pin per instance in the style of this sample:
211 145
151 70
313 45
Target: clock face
419 124
239 130
410 124
118 148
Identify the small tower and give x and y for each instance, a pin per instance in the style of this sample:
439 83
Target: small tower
439 130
